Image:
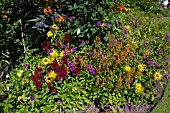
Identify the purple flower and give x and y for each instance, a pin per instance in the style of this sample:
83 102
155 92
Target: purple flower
88 66
53 111
90 53
159 17
63 45
115 41
55 16
166 75
144 42
156 64
92 70
32 98
101 55
157 81
120 41
128 82
99 24
49 51
124 35
149 62
26 65
64 52
119 24
73 49
125 30
108 106
144 56
161 100
166 35
165 58
70 64
150 26
82 42
138 21
72 69
106 24
159 50
127 105
71 17
43 80
60 101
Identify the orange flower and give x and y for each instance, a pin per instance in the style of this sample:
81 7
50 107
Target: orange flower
5 16
47 10
2 11
61 19
121 7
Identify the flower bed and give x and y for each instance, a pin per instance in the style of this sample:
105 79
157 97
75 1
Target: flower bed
112 62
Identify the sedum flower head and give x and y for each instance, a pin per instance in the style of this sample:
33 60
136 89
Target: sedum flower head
20 73
127 68
54 53
49 33
140 67
45 61
138 87
157 76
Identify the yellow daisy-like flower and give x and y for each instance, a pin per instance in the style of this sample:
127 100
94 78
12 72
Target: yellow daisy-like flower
127 68
61 54
157 76
138 87
51 59
127 26
48 79
49 33
45 61
140 67
127 9
54 26
52 74
19 73
24 81
54 53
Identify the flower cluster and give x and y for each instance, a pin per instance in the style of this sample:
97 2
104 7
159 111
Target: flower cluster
36 77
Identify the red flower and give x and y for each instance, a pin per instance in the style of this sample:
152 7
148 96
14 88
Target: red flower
64 60
57 42
49 85
67 38
54 90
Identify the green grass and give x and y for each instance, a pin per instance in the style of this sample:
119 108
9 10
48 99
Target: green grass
164 107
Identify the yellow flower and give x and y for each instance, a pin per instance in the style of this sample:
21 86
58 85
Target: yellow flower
19 73
157 76
127 68
48 79
45 61
54 53
24 81
51 59
52 75
127 26
54 26
127 9
61 54
49 33
138 87
140 67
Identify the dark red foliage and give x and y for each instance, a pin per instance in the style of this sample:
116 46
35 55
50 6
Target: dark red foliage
67 38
